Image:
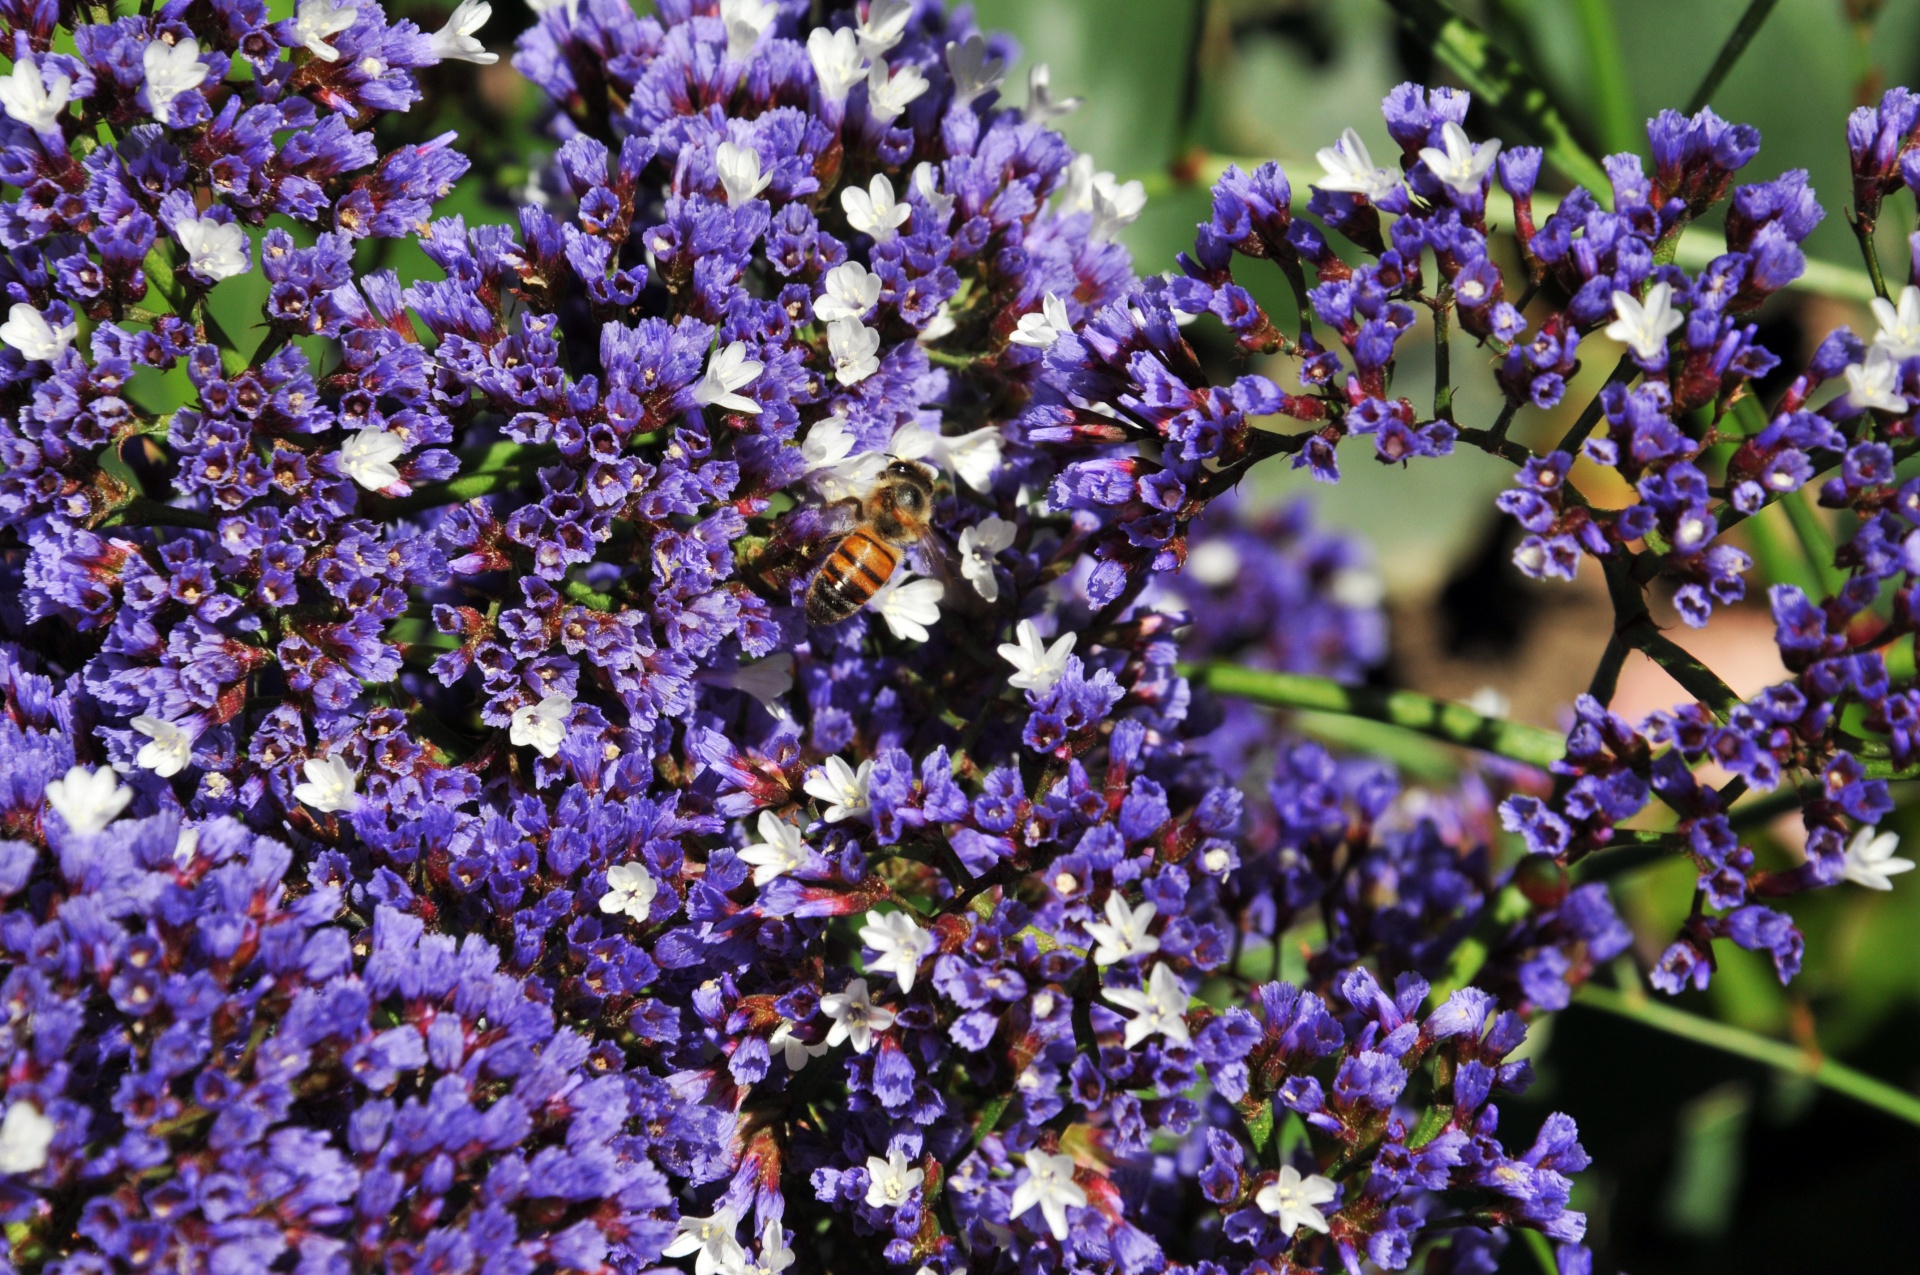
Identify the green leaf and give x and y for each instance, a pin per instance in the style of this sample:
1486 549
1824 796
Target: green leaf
1611 99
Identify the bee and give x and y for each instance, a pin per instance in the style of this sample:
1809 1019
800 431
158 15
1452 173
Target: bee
892 517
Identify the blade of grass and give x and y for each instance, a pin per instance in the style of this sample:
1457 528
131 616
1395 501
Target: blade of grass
1742 35
1612 101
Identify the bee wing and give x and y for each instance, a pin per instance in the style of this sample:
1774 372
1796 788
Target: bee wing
943 564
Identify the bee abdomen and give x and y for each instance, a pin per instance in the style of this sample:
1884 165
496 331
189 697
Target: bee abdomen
856 569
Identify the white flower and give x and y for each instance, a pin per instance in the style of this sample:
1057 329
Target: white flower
974 73
1160 1010
775 1256
185 844
168 748
1292 1199
542 725
25 1136
1037 666
369 455
841 788
713 1239
1351 169
779 851
837 62
977 548
1041 328
910 609
973 457
926 184
1899 332
727 370
1869 384
215 250
853 347
940 325
851 291
885 23
874 211
1050 1185
1124 933
1213 563
891 92
766 680
796 1051
317 21
630 890
1644 326
891 1181
455 41
329 786
171 69
1870 860
740 172
1116 205
28 331
1459 161
745 21
33 99
855 1016
88 800
902 946
831 465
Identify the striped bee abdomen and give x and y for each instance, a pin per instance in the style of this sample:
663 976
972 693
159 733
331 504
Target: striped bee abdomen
856 569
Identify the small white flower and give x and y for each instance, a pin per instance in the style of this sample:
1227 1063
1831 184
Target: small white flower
455 41
1869 384
926 184
28 331
1116 205
1037 666
368 457
874 211
973 457
1159 1010
841 788
317 21
1899 332
911 609
855 1016
975 74
713 1239
25 1135
891 92
766 680
1050 1185
885 23
902 946
1124 933
837 62
892 1180
1292 1199
215 250
939 326
1349 168
1870 859
727 370
740 173
171 69
746 20
779 851
977 548
832 466
185 845
34 99
851 291
1041 104
542 725
329 786
1644 326
1040 328
853 347
168 748
1459 161
630 891
88 800
797 1052
775 1256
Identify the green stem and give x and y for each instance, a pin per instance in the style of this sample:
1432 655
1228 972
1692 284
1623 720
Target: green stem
1612 102
1743 33
1623 371
1815 541
1863 228
944 358
1442 358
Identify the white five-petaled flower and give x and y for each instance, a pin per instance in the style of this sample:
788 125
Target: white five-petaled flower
1037 666
775 1256
28 331
833 467
1870 859
890 92
902 946
542 726
975 74
1124 932
972 457
35 98
1041 328
854 348
1041 104
1869 385
317 21
168 748
740 174
713 1239
368 457
840 788
892 1180
630 890
455 41
1159 1010
910 608
885 23
215 250
1459 161
1292 1199
728 369
797 1052
1049 1185
1350 169
1644 326
88 800
874 211
1899 333
171 69
25 1135
855 1016
837 62
329 785
1116 205
925 183
745 21
851 291
779 851
766 680
977 548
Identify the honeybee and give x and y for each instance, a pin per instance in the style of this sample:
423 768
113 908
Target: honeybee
892 517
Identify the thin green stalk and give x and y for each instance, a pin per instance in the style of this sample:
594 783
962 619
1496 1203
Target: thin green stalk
1815 540
1442 358
1612 102
1742 35
1542 1249
1777 1054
